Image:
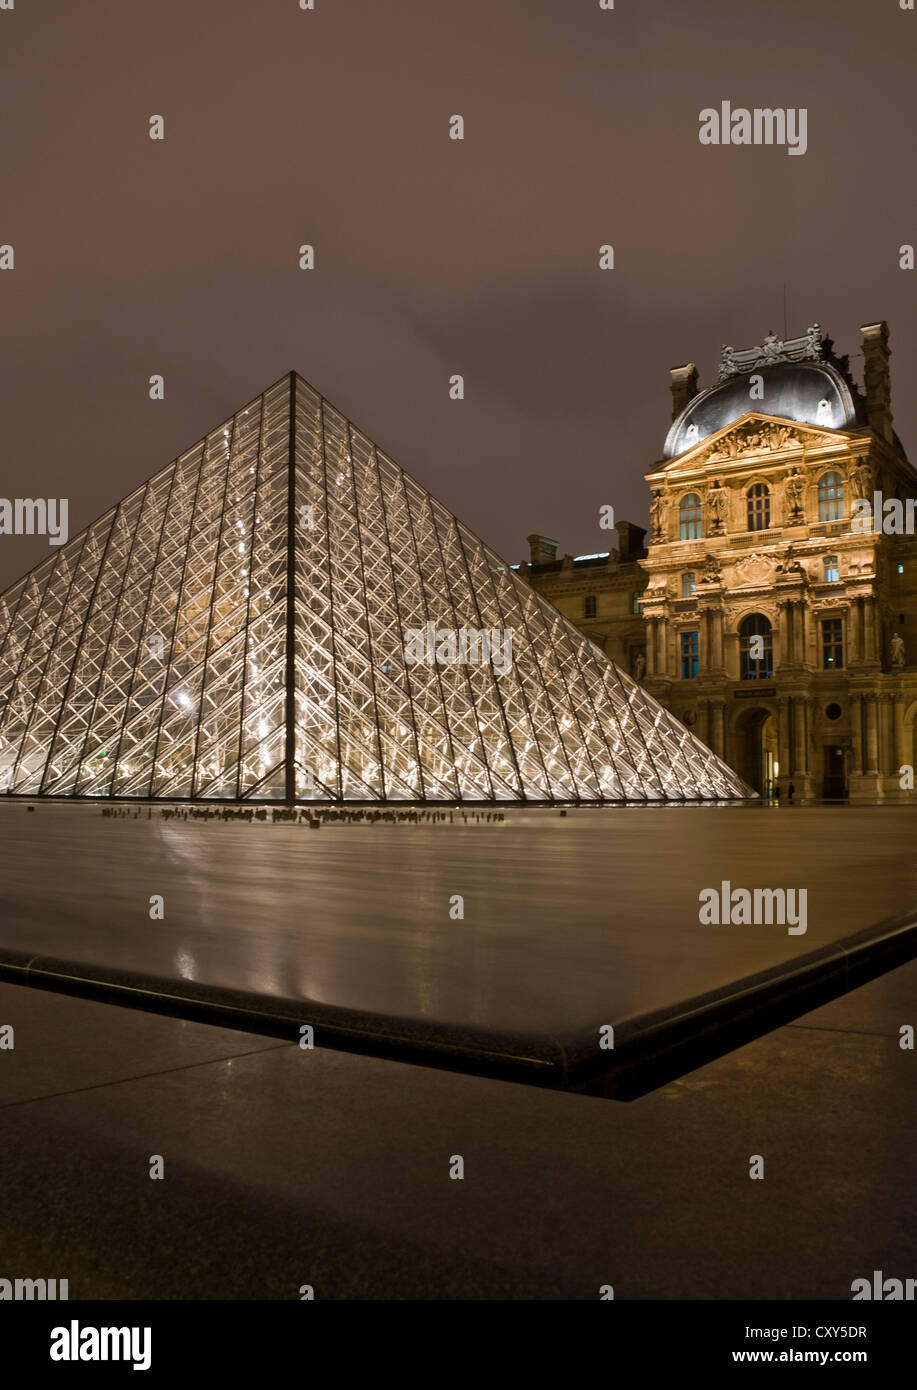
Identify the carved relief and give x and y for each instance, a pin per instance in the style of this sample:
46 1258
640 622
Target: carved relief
764 437
752 438
755 569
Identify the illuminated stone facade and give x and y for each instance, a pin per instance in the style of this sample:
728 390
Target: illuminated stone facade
776 623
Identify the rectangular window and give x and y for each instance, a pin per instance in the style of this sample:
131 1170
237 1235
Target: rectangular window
688 584
832 574
830 497
589 606
635 605
759 507
832 644
689 653
690 517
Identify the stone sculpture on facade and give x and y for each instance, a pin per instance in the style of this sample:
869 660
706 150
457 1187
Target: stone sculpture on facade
717 498
789 564
657 515
711 570
795 490
862 477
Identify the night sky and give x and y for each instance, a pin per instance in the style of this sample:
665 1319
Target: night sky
433 257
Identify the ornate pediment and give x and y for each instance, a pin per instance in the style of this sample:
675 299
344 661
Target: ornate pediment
754 434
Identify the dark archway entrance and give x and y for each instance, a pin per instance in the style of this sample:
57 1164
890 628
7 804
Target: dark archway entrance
834 783
756 749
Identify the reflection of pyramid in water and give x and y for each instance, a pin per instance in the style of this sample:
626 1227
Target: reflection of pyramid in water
156 654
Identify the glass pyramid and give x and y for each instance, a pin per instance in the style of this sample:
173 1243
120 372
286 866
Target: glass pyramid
238 628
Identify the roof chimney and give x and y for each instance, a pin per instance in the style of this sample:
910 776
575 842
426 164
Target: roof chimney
878 379
630 541
541 550
684 387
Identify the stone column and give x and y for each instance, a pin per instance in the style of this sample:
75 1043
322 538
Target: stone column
856 728
781 649
887 739
902 751
872 737
784 740
718 736
712 655
651 646
882 732
791 638
869 629
704 730
803 632
800 740
662 648
855 635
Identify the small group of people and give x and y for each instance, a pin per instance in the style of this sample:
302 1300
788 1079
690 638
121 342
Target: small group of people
790 793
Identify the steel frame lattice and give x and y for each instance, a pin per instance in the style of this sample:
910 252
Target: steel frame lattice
235 630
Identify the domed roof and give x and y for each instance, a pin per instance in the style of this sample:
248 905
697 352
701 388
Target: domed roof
811 392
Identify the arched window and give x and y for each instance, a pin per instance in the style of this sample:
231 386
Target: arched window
830 497
756 648
688 584
689 517
759 507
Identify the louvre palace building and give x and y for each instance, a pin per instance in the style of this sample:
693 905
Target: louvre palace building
773 609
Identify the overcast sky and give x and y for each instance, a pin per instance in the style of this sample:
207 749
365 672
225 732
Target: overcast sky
433 256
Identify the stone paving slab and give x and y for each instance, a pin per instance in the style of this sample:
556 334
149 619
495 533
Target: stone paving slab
286 1167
